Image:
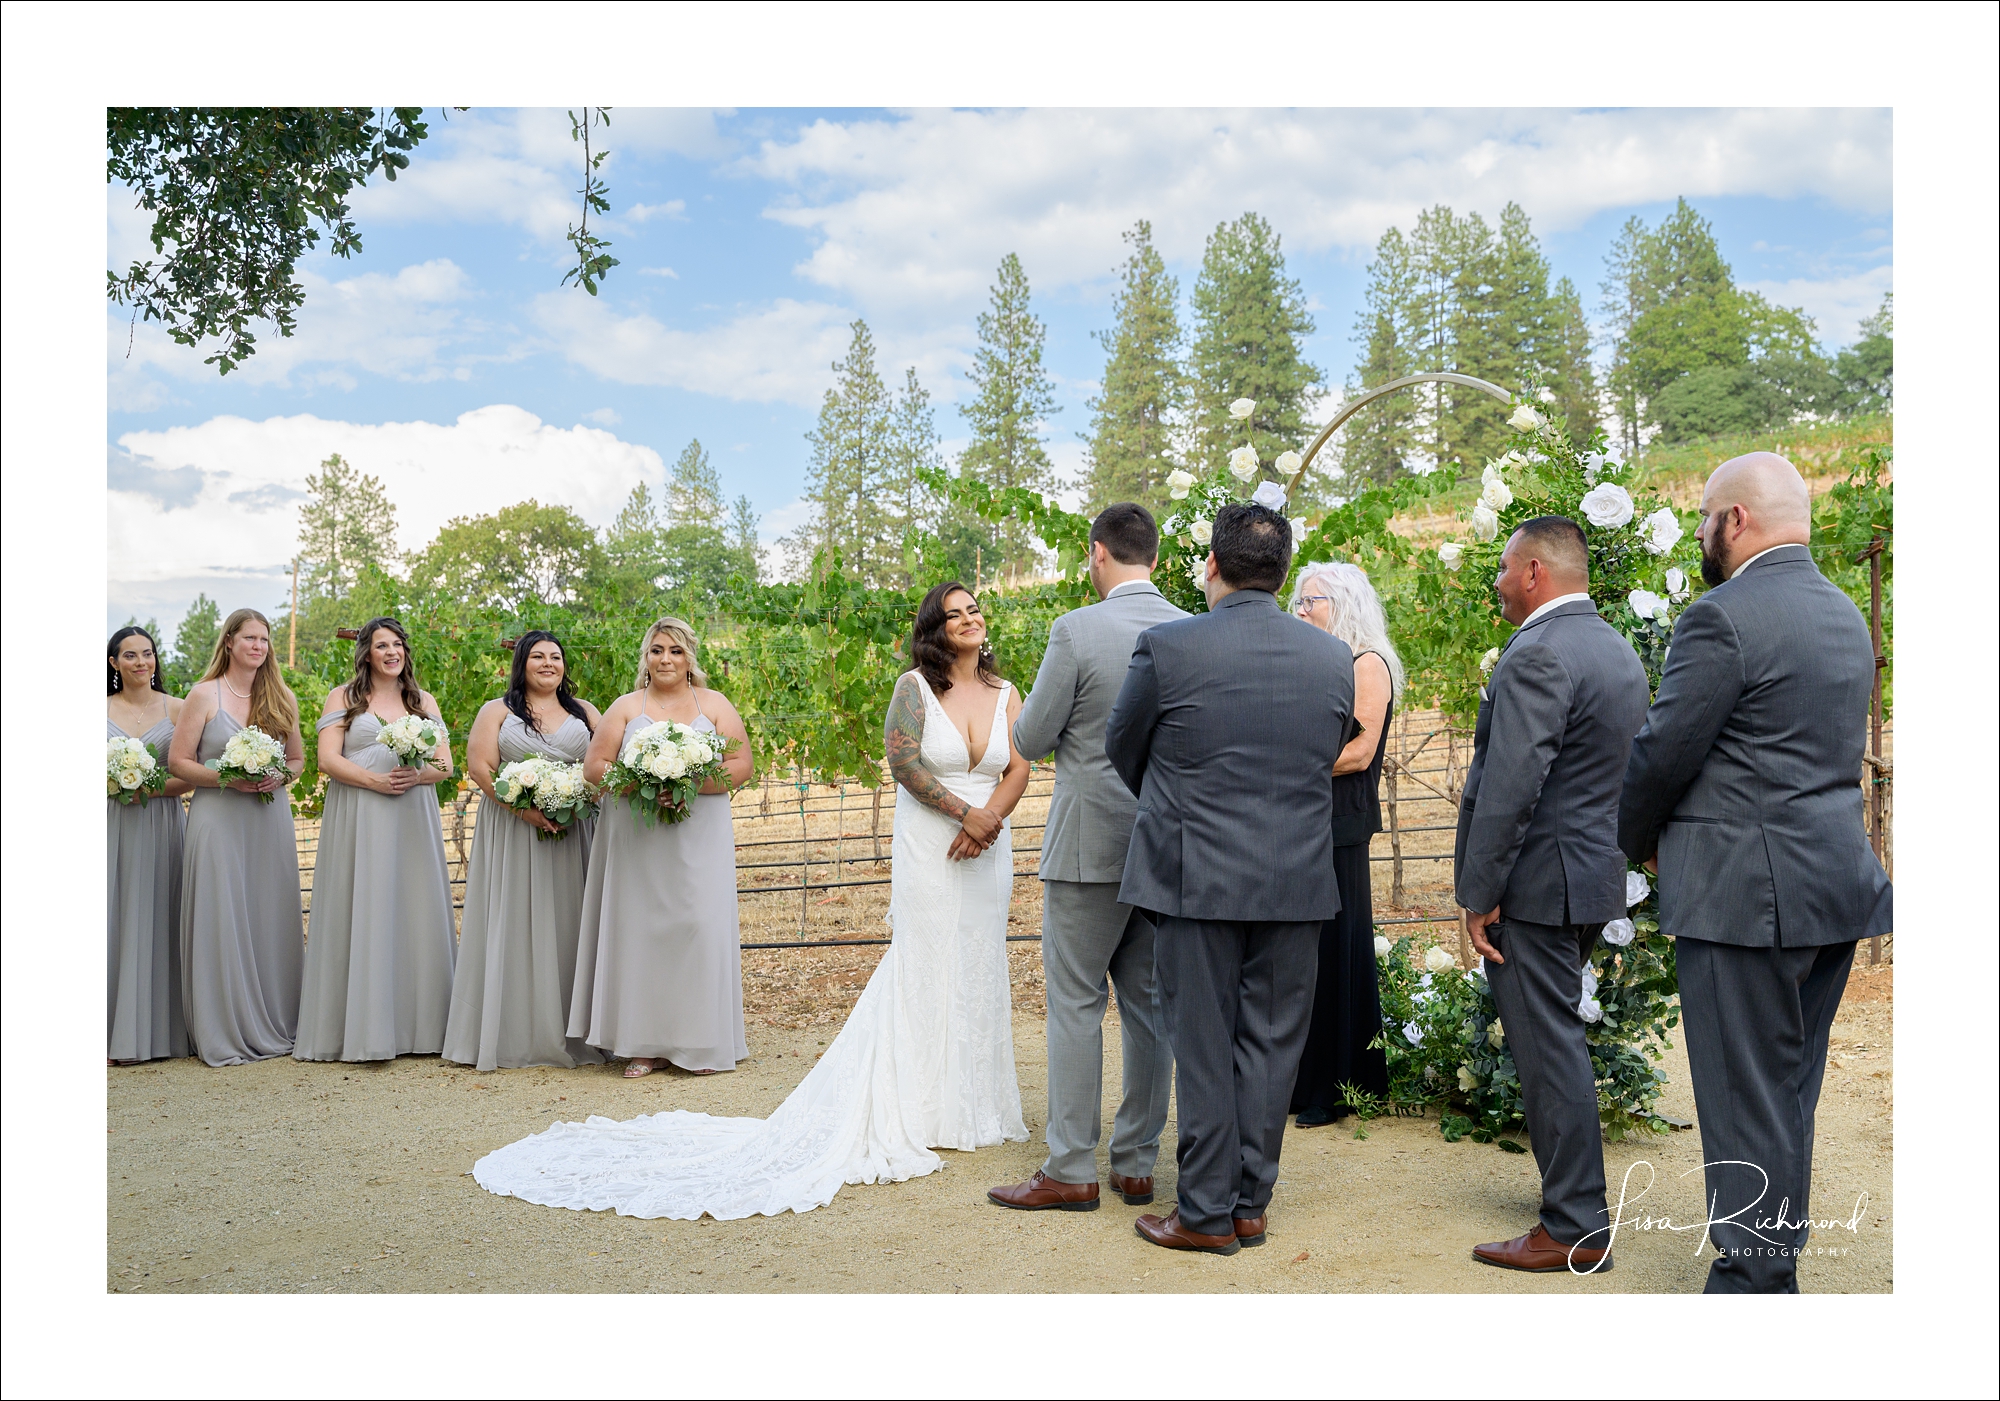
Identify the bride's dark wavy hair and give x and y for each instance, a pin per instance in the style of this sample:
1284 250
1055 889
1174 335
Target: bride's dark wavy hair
931 653
517 682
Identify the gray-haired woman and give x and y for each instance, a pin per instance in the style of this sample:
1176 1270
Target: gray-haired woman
1347 1006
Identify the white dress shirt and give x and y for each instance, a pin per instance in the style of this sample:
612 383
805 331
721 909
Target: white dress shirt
1794 545
1128 584
1553 603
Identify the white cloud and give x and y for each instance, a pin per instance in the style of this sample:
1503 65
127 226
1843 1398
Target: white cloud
659 272
781 352
675 209
412 325
916 210
522 169
240 518
604 418
1836 304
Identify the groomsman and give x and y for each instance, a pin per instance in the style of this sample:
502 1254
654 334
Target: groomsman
1743 791
1226 729
1088 934
1537 865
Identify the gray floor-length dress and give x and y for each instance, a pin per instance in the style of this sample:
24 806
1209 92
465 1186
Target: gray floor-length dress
658 970
517 938
379 946
143 909
242 938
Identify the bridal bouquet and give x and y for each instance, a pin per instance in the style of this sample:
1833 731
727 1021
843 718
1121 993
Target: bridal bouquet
251 756
548 786
663 768
413 739
134 772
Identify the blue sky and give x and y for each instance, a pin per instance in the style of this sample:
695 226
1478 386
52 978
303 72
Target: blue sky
446 359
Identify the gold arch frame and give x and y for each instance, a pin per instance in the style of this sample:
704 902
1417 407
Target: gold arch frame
1348 409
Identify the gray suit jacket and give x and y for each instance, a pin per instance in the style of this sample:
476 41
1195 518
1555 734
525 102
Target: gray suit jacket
1746 778
1090 816
1226 728
1538 821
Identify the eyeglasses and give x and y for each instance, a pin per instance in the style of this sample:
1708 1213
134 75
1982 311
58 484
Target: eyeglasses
1305 604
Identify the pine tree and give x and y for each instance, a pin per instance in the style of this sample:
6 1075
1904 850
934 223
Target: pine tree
194 644
743 539
1249 321
346 525
694 491
1377 442
1131 447
917 510
634 562
1013 397
850 456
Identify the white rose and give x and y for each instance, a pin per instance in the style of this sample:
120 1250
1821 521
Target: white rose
1197 568
1589 981
1179 483
1619 932
1242 408
1662 531
529 775
1590 1010
1513 459
1288 463
1498 495
1451 554
1637 887
1546 395
1647 605
1485 523
1489 474
1202 532
1298 525
656 764
1413 1033
1467 1081
1607 507
1437 960
676 766
1593 463
1269 495
1496 1034
1677 583
1526 419
1489 661
130 778
1243 463
1382 947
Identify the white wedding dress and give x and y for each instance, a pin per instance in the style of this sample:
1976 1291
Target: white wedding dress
925 1061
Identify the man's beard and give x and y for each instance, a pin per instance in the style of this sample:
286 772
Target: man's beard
1712 571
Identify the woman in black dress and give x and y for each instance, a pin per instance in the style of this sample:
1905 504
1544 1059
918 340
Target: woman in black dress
1347 1005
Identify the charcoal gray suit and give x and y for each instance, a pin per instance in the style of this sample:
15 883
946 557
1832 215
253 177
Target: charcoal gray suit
1745 784
1537 837
1087 932
1226 728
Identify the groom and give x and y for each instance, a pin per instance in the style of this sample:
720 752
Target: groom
1087 933
1226 729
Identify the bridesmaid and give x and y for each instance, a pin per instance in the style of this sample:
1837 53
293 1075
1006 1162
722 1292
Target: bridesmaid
242 940
379 951
523 896
144 896
658 972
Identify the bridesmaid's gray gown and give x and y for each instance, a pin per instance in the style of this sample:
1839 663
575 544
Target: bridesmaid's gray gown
658 970
379 946
242 938
143 904
517 939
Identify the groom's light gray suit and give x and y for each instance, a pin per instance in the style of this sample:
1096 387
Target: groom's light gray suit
1746 784
1087 932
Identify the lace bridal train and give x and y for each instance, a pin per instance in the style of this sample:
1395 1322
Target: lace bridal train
926 1059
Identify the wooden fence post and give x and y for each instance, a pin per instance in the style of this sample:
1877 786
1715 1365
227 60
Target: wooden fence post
1877 773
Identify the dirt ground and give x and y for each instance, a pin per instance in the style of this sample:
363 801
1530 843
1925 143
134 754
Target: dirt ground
284 1177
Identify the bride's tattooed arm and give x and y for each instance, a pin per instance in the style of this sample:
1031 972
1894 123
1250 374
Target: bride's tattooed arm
903 739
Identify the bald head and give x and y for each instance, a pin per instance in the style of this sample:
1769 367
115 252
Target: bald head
1751 504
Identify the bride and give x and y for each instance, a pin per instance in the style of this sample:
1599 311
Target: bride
926 1059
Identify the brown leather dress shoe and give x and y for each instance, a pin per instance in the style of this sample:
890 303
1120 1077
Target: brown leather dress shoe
1043 1193
1137 1191
1174 1236
1250 1230
1538 1253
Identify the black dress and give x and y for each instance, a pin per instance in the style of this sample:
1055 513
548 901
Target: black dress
1347 1005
